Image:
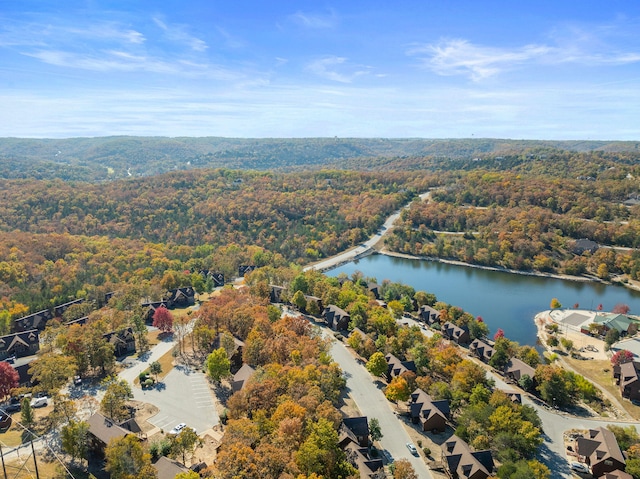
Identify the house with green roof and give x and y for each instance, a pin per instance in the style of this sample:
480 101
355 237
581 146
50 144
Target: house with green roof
621 322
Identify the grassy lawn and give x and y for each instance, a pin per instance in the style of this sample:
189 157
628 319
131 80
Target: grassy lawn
25 469
166 361
594 370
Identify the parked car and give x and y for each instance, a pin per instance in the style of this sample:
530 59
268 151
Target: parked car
579 467
13 405
40 402
412 449
178 428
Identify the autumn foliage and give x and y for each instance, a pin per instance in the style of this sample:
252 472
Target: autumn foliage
163 319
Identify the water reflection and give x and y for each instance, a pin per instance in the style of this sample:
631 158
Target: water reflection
504 300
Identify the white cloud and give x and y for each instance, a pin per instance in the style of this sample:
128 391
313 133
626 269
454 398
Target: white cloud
461 57
455 57
336 69
179 34
314 20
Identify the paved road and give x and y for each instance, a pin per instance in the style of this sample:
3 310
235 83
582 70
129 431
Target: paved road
372 403
352 253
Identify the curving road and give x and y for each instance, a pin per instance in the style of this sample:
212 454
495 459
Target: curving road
363 248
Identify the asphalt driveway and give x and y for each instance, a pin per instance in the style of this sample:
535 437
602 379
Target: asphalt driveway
183 396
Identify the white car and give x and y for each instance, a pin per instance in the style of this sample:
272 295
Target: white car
579 467
412 449
178 428
39 402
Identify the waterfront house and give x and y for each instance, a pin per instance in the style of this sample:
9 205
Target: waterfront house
395 367
455 333
516 369
481 349
337 318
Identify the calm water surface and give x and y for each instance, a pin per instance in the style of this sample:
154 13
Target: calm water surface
504 300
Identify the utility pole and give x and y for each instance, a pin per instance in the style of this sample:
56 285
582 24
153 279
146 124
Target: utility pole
4 469
35 461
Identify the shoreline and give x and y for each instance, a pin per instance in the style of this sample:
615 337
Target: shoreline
567 277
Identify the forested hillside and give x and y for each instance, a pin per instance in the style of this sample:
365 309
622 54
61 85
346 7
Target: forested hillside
61 240
108 158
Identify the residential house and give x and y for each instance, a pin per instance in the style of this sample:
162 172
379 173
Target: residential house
102 431
357 428
216 278
108 296
275 293
337 318
181 297
514 396
241 377
397 367
600 450
59 310
151 307
431 415
360 457
374 288
517 369
627 377
428 314
21 344
482 349
582 245
124 342
81 321
244 269
238 349
313 299
455 333
461 463
617 474
168 468
22 365
33 321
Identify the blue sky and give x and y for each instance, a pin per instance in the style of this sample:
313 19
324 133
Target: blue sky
559 69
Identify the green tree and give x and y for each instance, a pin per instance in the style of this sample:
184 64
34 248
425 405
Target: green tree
155 368
51 371
113 403
74 439
377 364
126 459
218 365
188 475
185 443
611 337
555 304
26 412
299 300
375 431
396 308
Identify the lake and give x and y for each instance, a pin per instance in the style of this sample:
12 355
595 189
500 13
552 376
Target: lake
504 300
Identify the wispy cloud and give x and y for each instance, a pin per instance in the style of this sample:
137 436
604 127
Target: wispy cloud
315 20
179 33
456 57
336 69
461 57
